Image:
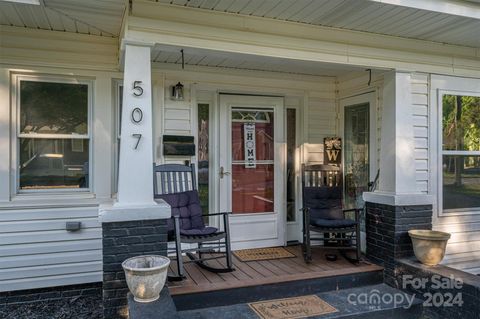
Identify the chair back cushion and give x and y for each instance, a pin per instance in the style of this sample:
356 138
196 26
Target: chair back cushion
324 202
187 206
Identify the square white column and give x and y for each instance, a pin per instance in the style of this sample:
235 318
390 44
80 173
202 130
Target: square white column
135 180
397 179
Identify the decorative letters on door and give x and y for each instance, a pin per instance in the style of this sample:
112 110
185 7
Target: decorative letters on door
250 147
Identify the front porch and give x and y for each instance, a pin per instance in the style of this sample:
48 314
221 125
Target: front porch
267 272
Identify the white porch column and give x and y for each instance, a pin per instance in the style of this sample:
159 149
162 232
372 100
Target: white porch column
397 180
135 181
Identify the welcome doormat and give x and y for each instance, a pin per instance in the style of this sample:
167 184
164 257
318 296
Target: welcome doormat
263 254
292 308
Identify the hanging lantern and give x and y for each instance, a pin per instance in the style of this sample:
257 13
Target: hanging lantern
177 92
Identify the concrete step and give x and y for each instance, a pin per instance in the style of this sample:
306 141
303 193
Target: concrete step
226 297
351 303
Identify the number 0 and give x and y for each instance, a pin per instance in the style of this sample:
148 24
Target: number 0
137 115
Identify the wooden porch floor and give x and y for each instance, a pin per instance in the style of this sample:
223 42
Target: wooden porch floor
255 273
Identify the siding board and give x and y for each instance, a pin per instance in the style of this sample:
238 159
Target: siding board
36 250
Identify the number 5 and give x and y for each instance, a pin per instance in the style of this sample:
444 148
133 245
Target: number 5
139 136
137 89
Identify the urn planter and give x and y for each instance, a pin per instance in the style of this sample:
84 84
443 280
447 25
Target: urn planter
145 276
429 245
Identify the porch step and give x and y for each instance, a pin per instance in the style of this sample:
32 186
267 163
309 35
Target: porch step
241 295
346 301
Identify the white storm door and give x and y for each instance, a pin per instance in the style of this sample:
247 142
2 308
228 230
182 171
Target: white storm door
251 173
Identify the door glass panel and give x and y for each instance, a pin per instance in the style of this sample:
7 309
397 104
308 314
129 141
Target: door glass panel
203 156
291 150
252 161
357 166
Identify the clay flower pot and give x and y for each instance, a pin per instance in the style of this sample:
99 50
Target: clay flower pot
429 245
146 276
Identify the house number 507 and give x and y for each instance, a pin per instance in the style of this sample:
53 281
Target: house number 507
137 114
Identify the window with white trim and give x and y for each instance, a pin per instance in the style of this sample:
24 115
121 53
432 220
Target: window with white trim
53 134
460 152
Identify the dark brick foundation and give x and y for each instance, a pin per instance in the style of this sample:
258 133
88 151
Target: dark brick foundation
468 288
387 233
122 240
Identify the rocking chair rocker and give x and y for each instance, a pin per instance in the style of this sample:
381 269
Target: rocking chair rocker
176 185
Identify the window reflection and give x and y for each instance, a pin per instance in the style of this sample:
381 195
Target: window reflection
53 163
252 177
461 123
203 156
53 138
53 108
461 181
461 143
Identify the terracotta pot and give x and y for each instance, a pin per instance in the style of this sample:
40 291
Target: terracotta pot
429 245
146 276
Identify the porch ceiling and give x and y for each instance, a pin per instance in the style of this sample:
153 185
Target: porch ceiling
104 17
360 15
211 58
97 17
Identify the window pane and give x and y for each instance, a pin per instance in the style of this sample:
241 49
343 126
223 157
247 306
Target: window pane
53 108
203 155
356 154
264 143
461 123
252 189
53 163
291 152
252 166
461 181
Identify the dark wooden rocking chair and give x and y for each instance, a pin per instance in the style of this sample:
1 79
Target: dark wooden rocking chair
323 213
176 185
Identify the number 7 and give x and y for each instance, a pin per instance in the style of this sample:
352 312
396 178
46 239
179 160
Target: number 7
139 136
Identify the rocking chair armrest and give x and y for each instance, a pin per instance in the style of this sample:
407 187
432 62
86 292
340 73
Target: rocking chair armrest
357 213
218 214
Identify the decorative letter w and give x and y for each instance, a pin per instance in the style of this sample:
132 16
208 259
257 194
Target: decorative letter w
332 155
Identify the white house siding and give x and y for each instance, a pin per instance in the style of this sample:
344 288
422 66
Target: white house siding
419 84
35 248
37 251
463 249
316 103
320 121
356 84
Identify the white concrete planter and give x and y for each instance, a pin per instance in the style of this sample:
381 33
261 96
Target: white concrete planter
429 245
146 276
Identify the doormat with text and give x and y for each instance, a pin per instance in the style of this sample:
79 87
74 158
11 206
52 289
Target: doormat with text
263 254
292 308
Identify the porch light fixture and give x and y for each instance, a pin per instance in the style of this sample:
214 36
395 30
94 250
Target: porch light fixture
177 92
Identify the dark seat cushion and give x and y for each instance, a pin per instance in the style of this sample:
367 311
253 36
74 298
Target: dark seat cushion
187 206
198 232
332 223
